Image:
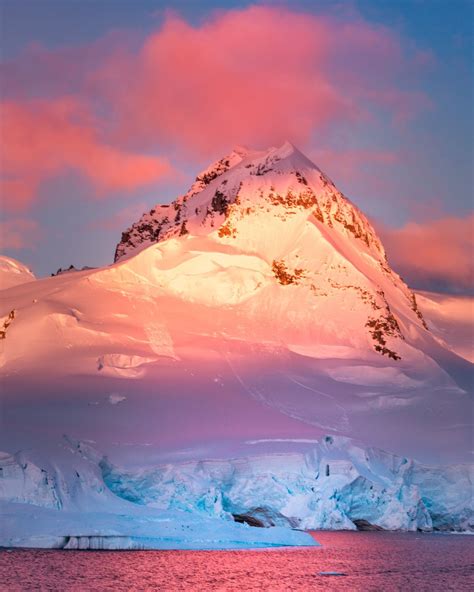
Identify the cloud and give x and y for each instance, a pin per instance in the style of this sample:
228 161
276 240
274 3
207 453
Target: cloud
355 164
433 255
122 218
255 76
43 138
18 233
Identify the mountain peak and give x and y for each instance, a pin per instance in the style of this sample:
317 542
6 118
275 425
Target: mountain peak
286 152
278 176
242 151
278 206
286 158
245 151
286 149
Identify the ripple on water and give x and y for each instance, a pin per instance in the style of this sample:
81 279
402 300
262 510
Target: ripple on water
370 561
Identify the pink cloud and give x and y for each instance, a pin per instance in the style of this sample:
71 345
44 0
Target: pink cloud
42 138
253 76
360 167
439 251
349 162
122 218
19 233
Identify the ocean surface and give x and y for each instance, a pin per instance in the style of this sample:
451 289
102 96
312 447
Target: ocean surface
371 561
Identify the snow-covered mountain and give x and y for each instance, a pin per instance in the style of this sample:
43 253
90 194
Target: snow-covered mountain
13 273
257 308
276 213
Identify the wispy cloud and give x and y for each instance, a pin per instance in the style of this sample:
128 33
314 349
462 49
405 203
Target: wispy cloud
43 138
438 253
255 76
19 233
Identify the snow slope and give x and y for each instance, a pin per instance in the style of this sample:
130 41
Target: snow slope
451 319
257 307
262 236
13 273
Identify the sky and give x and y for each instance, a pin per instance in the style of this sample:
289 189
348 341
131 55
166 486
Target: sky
109 107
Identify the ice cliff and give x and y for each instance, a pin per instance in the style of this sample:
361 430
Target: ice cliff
334 485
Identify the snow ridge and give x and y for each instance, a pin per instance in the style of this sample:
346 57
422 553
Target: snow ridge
208 202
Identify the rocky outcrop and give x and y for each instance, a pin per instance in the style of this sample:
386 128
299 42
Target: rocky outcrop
365 526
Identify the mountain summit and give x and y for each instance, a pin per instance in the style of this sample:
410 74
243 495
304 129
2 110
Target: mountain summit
249 179
262 262
280 207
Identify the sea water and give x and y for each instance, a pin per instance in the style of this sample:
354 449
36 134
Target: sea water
365 561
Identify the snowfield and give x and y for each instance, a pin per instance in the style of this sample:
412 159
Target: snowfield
245 361
13 273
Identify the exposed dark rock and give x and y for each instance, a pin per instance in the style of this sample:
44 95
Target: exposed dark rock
417 311
366 526
6 323
220 167
263 517
220 203
247 519
382 327
283 274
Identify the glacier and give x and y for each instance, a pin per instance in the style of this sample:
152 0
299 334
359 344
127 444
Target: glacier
70 506
333 485
261 500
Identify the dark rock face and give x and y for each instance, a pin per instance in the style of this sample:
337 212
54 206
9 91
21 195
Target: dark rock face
220 203
6 323
264 517
366 526
71 268
147 230
247 519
